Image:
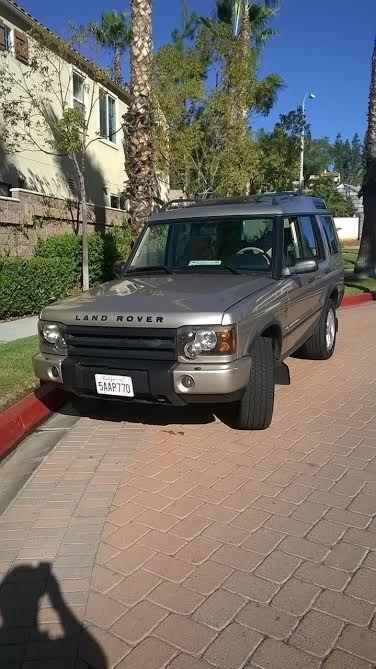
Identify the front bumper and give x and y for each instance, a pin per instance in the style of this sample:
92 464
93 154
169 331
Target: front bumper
154 381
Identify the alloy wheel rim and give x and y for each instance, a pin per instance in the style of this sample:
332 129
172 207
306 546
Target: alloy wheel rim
330 331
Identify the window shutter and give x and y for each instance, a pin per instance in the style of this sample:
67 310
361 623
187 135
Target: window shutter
21 46
2 36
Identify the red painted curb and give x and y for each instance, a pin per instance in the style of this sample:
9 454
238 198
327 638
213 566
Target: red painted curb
353 300
23 416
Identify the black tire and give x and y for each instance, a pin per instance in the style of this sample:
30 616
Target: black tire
255 410
317 347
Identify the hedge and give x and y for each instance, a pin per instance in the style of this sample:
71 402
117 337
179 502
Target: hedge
29 284
104 249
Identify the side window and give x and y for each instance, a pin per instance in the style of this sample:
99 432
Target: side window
301 240
311 243
330 234
291 242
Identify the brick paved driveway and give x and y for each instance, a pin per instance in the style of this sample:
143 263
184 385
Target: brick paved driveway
191 545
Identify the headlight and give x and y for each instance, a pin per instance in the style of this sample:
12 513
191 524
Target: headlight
51 333
52 337
216 340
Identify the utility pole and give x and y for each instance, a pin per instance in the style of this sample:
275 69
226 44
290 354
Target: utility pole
310 96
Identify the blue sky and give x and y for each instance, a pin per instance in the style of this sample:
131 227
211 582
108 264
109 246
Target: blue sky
323 45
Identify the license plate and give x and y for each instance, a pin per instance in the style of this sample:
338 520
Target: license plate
109 384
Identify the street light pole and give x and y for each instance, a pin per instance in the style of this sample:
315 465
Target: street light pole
310 96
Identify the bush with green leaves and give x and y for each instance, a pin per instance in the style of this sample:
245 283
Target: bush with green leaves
28 284
104 249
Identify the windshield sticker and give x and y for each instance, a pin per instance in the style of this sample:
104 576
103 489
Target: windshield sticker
204 262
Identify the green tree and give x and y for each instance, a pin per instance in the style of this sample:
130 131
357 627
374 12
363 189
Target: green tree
348 159
318 156
366 262
210 149
115 34
280 152
339 204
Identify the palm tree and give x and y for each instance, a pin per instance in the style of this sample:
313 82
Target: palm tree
366 262
115 34
250 25
139 117
247 17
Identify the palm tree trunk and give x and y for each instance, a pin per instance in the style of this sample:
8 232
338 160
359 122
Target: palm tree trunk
366 262
117 67
139 116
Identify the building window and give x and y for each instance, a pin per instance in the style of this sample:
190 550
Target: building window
107 117
118 202
8 38
78 92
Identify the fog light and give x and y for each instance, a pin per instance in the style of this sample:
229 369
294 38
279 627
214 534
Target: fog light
54 371
187 381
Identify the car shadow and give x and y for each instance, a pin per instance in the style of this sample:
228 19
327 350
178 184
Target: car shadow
25 592
148 414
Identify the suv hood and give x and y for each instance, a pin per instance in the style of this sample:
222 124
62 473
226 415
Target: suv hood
157 300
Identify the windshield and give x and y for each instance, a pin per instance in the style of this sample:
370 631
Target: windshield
234 244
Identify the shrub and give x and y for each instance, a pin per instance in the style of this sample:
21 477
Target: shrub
29 284
104 249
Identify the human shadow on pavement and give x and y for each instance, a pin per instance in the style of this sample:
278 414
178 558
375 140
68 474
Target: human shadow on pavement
24 638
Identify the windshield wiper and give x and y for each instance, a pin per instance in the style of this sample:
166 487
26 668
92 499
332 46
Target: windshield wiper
150 268
230 268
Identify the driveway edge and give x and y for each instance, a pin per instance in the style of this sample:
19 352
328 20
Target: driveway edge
354 300
17 421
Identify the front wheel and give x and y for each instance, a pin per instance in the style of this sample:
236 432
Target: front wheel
255 410
322 344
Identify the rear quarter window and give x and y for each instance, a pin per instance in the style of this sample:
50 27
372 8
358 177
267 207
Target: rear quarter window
330 233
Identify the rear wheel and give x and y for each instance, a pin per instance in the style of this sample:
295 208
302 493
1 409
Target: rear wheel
255 410
322 344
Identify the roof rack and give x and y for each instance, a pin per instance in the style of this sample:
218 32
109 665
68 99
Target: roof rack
177 203
274 198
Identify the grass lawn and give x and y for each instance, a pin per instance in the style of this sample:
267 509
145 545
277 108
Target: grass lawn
16 370
354 285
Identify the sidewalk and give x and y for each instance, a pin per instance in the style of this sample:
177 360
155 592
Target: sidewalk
18 329
153 537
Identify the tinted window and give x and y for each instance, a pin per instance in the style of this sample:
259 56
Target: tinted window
309 238
330 234
301 240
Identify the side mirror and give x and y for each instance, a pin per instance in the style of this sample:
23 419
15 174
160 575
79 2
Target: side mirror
119 268
301 267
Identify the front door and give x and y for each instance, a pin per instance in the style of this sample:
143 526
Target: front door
302 241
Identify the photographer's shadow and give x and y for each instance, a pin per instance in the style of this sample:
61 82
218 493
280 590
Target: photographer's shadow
23 638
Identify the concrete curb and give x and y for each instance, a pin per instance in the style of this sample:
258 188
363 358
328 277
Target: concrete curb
354 300
17 421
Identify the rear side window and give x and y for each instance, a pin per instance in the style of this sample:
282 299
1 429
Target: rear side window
330 234
310 239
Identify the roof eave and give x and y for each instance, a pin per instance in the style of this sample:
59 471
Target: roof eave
75 57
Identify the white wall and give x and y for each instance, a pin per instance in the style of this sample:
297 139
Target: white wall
347 228
40 170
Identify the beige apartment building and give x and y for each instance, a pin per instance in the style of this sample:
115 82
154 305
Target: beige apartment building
38 189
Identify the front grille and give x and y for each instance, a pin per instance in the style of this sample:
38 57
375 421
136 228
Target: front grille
121 343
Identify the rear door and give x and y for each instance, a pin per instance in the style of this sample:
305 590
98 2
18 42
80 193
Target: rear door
302 241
